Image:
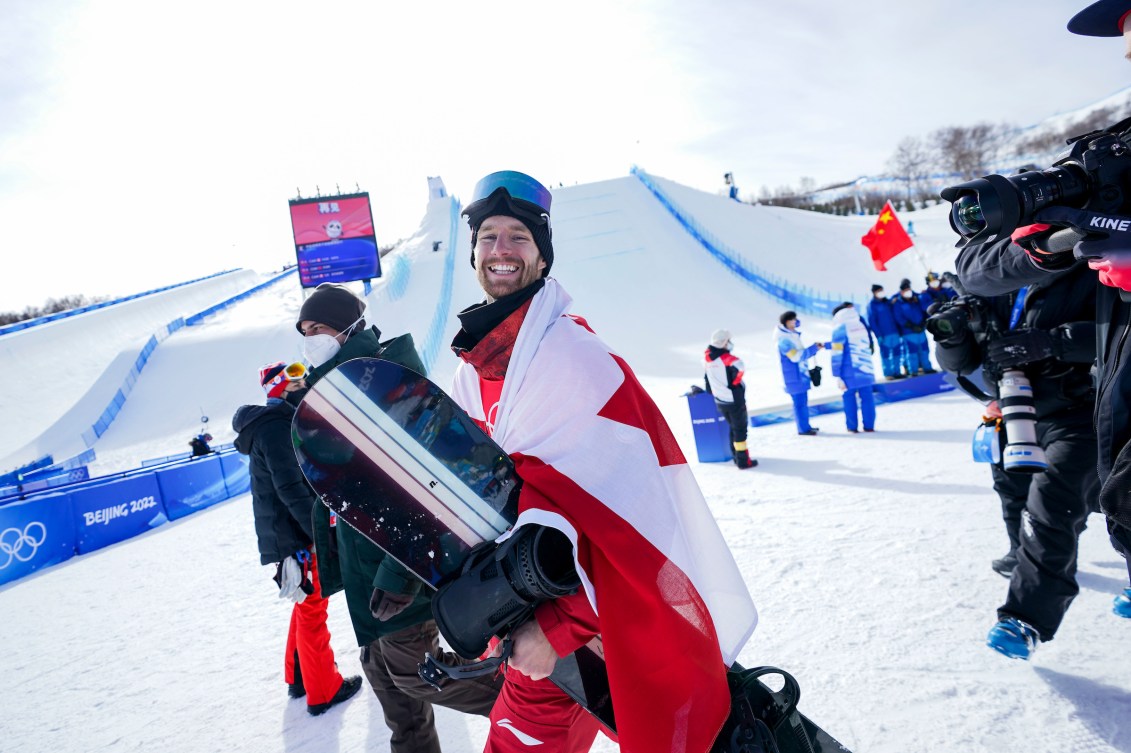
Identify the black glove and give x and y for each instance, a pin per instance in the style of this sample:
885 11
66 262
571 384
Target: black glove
1020 348
386 605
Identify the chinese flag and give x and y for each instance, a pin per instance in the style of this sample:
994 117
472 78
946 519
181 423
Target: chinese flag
886 239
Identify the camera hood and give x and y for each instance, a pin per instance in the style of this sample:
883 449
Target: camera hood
983 209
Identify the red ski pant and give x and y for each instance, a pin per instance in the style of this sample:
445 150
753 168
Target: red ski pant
537 713
308 639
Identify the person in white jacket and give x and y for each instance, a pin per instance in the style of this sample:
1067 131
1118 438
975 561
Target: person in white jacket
853 346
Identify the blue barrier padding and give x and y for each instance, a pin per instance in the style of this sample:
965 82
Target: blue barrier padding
798 298
35 534
107 513
237 477
885 392
11 478
906 389
166 459
191 486
712 433
783 413
27 323
56 477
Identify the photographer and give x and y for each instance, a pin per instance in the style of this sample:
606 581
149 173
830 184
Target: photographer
1046 331
1040 252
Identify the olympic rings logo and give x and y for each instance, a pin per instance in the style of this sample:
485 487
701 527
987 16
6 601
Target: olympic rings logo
22 545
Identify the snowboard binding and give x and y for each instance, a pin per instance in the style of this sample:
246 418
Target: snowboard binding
495 591
764 720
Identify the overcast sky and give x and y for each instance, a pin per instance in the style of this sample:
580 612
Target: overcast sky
145 143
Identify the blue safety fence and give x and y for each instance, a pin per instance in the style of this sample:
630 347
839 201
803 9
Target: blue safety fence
202 315
49 527
112 410
434 340
799 298
396 284
17 326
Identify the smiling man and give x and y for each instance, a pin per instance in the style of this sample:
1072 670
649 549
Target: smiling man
599 464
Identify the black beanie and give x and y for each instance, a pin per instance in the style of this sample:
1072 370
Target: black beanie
332 305
905 284
877 288
501 205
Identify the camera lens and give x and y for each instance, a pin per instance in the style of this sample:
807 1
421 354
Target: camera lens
967 216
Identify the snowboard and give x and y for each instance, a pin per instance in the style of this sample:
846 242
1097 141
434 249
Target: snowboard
396 458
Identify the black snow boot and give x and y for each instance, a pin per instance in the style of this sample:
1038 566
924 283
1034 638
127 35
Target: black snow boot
349 687
743 460
295 689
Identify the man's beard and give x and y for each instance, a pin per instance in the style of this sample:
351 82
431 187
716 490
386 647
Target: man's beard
496 287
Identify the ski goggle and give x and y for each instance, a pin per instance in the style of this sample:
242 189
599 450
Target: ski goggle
295 372
525 192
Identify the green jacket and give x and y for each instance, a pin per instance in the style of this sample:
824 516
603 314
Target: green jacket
356 565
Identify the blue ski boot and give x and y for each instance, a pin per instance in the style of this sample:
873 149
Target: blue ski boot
1014 638
1122 604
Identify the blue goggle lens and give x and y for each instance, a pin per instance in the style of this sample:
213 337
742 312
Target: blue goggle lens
519 186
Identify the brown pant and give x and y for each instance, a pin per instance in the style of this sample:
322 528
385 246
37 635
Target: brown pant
390 664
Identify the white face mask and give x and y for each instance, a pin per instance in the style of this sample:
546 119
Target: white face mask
906 294
319 349
879 295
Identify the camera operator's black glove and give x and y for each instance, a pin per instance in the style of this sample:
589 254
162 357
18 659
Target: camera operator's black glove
1049 246
1019 348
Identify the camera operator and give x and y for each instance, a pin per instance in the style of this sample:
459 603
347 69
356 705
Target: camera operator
1047 331
1037 252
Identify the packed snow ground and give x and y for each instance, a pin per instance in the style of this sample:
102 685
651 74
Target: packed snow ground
867 555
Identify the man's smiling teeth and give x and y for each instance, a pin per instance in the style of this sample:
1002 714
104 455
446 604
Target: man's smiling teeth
503 269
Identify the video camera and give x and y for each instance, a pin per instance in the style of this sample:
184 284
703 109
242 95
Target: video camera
948 321
1091 174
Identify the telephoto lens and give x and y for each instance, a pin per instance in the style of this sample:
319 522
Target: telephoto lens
1022 454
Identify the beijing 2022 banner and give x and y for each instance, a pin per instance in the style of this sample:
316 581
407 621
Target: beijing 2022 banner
334 240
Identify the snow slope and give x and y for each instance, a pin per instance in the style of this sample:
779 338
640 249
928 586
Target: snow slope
76 360
868 555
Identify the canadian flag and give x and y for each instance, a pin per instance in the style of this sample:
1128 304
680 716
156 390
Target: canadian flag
599 462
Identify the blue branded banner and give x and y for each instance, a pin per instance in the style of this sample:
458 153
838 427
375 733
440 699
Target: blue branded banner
236 475
192 486
712 433
116 511
35 534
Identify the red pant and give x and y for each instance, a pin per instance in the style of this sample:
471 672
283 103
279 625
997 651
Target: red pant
536 713
309 639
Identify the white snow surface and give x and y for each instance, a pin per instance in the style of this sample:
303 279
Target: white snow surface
867 555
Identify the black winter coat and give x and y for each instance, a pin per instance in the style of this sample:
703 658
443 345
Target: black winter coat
281 500
1002 266
1059 385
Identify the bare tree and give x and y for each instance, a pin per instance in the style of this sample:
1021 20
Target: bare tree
911 163
968 150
